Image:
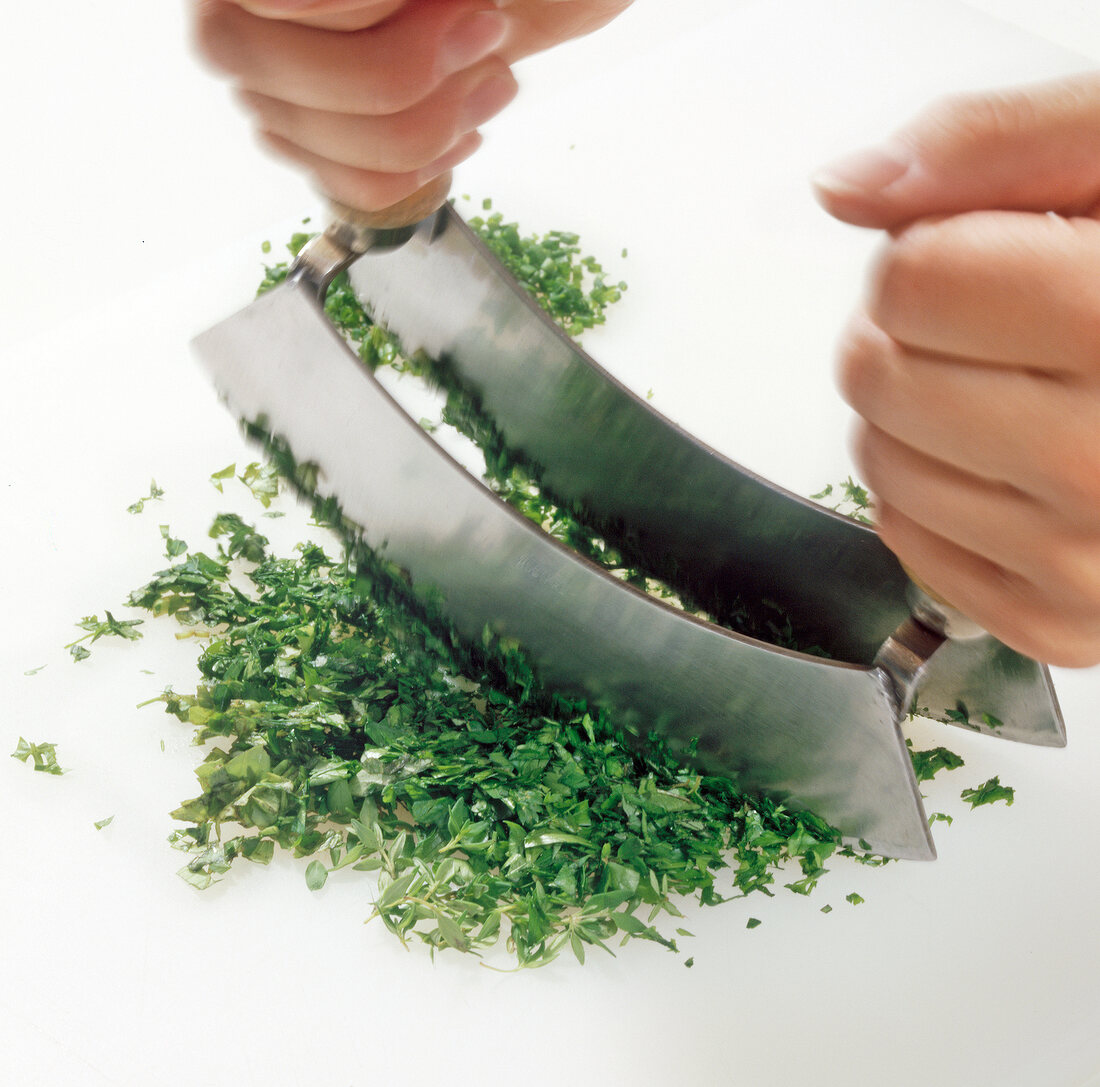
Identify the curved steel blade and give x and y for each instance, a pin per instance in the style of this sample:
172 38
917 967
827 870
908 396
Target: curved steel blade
711 526
819 733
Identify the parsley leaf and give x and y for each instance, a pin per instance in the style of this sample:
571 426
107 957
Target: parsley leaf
43 756
927 764
154 493
262 480
218 478
990 792
96 628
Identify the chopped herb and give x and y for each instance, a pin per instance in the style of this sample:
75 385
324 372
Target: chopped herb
104 822
854 501
927 764
753 922
961 715
572 288
856 900
154 493
826 908
316 875
262 480
490 809
42 756
108 627
228 472
989 793
173 548
242 540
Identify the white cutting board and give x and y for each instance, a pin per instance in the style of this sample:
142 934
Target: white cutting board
979 969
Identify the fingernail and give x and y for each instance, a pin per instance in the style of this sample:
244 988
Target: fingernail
864 172
486 100
471 39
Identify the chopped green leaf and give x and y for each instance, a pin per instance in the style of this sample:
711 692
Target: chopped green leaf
43 756
242 540
262 480
154 493
990 792
100 824
316 875
172 547
855 899
218 478
854 501
96 628
927 764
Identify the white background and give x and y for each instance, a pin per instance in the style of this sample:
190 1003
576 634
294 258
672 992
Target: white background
136 205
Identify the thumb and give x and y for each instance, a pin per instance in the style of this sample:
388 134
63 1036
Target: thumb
1033 148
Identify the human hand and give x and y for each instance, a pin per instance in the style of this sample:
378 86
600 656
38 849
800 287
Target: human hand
974 363
375 98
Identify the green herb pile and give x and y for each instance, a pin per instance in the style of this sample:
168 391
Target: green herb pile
345 722
352 730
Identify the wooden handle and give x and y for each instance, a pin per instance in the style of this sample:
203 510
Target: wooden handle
407 212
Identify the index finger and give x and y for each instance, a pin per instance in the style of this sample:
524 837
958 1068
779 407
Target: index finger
1009 288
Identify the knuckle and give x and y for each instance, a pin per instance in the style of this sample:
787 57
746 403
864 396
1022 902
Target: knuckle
371 191
898 277
975 121
214 31
1071 569
859 363
384 98
1081 292
865 452
1058 641
418 142
1075 478
1029 616
395 66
